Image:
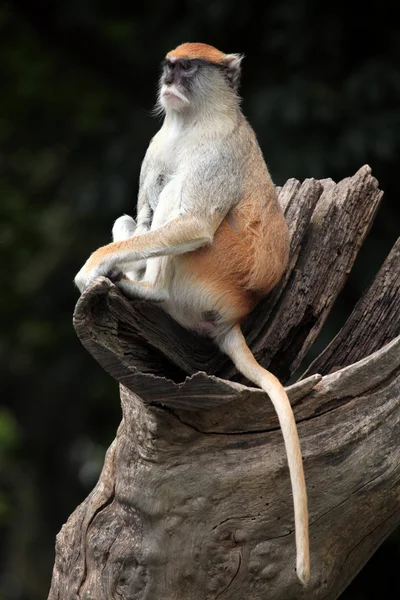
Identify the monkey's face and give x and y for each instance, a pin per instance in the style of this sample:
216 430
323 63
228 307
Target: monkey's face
189 83
192 84
177 83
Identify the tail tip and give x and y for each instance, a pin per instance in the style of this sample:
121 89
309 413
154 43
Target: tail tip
303 571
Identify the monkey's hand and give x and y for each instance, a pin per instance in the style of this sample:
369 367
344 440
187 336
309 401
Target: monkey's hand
96 266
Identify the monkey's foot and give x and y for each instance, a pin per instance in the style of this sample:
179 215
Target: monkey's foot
140 289
115 275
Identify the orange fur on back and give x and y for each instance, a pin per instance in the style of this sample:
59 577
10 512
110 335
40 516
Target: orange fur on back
247 257
197 50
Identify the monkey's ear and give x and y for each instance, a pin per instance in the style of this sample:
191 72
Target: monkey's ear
232 64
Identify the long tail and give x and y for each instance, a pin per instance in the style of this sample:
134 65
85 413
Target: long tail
234 345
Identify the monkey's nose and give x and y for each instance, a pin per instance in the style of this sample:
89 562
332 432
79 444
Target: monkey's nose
169 80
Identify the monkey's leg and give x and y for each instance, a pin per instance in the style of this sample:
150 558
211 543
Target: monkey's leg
180 235
130 284
142 289
124 228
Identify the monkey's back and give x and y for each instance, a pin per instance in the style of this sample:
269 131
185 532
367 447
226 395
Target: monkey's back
250 249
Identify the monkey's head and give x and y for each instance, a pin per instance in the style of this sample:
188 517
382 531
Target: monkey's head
195 75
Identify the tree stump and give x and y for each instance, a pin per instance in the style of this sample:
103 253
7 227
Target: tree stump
194 500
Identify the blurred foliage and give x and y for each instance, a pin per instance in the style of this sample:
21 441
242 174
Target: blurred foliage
321 87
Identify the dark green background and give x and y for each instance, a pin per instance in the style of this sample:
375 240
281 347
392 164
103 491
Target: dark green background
321 87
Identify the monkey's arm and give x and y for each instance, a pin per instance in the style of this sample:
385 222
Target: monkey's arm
183 234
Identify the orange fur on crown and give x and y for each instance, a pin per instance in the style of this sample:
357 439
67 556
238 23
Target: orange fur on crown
197 50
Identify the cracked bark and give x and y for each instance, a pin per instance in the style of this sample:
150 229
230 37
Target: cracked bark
194 500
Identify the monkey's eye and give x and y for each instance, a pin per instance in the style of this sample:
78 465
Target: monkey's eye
187 67
167 65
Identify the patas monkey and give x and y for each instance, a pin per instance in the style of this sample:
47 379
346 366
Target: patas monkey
210 238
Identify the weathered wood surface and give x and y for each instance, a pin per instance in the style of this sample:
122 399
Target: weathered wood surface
375 321
194 501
